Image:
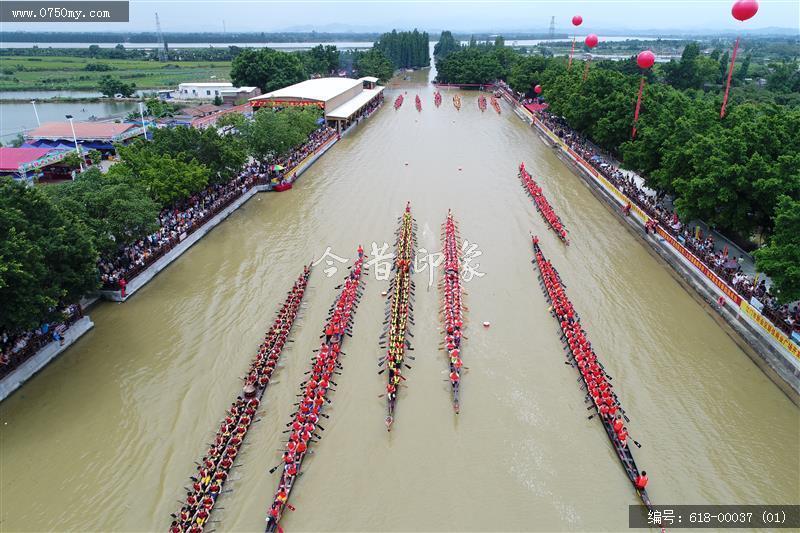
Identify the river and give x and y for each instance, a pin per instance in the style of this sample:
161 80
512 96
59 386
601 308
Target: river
105 437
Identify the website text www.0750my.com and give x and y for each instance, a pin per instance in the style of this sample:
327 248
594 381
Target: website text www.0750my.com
60 13
63 11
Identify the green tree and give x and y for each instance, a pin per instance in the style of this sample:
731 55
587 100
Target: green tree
686 74
273 134
224 156
446 45
166 178
375 63
526 73
266 69
46 257
322 60
784 78
405 49
780 258
72 160
724 65
157 108
112 206
110 86
741 73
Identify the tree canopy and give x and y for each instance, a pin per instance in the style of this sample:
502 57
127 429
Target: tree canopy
320 60
113 207
46 257
780 258
405 49
111 86
224 156
165 177
273 134
266 69
445 45
375 63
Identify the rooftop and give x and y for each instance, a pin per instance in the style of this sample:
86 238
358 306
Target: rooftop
199 111
320 89
239 90
208 84
371 79
354 104
83 131
11 159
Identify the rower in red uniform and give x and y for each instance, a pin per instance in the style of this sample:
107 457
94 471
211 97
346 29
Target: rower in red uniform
641 481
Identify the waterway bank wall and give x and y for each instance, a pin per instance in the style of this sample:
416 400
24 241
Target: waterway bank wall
771 349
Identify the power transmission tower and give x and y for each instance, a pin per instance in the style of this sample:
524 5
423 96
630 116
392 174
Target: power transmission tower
552 27
162 47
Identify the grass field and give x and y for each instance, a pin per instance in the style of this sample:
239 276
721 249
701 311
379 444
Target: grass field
69 73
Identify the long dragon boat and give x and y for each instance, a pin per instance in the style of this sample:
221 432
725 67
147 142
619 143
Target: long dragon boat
457 102
418 103
482 103
315 391
542 205
398 314
452 306
437 98
595 380
215 465
398 101
496 105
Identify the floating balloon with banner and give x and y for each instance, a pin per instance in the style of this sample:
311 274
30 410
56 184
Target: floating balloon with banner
645 60
742 10
577 20
590 41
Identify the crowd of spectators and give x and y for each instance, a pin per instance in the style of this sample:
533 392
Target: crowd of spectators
175 224
15 348
179 221
658 208
315 141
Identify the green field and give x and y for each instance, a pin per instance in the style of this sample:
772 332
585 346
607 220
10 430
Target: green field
19 73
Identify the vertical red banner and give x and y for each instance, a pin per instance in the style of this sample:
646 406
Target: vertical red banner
728 85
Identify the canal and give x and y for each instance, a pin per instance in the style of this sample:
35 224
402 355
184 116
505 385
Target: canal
105 437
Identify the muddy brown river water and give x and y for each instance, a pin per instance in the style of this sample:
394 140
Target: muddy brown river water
104 438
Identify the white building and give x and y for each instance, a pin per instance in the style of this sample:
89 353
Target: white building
342 100
202 91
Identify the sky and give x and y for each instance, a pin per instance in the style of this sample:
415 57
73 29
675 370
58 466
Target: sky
457 15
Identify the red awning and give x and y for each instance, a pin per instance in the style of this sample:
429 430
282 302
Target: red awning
12 158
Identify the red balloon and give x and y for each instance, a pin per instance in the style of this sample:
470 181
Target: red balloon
591 40
577 20
744 9
538 89
645 59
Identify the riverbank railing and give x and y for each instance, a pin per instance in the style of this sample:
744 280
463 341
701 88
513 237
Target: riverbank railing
37 342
